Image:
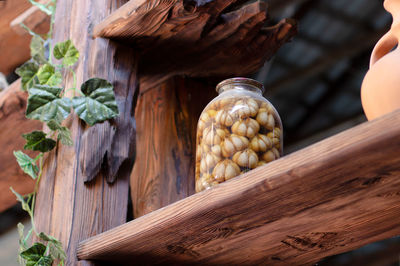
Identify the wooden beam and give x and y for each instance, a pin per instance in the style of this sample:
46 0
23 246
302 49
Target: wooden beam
346 50
79 194
185 38
13 124
331 197
14 47
33 18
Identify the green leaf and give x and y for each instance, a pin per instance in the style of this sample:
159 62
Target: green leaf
37 141
28 73
67 52
48 75
98 104
27 164
37 49
43 261
64 134
45 104
35 255
24 203
56 249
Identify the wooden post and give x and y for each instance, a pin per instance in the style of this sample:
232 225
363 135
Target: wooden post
68 208
166 118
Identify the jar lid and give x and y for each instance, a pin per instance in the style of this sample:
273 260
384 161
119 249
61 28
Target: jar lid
240 81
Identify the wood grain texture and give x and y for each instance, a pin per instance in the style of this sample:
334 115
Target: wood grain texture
12 125
67 207
33 18
166 118
328 198
13 46
196 38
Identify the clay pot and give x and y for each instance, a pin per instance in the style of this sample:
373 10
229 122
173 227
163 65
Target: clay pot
380 92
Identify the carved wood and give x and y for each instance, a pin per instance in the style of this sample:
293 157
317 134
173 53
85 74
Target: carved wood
68 208
217 38
166 118
14 47
13 124
328 198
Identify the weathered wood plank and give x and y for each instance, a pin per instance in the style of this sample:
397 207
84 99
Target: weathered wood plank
13 46
328 198
196 38
166 121
13 124
33 18
67 207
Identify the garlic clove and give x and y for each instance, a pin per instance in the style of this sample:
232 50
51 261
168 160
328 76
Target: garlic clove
227 147
213 135
233 144
216 150
270 123
246 158
269 156
224 118
276 153
208 161
239 142
261 163
211 113
231 171
225 170
262 116
246 127
260 143
239 128
246 107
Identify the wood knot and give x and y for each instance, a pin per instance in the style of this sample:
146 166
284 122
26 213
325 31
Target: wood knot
314 240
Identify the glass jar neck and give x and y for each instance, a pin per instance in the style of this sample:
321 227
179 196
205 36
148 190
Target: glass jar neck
244 84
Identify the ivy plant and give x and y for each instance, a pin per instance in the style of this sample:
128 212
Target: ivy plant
93 103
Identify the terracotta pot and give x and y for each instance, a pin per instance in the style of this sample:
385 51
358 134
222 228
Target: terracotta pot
380 92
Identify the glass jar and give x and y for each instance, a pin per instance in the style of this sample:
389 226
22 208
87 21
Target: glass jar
238 131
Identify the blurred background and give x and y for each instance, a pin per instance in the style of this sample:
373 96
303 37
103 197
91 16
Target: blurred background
313 81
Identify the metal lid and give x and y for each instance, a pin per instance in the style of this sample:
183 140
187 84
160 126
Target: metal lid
240 81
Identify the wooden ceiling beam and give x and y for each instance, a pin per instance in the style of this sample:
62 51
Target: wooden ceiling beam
346 50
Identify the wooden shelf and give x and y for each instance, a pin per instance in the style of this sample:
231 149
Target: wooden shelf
331 197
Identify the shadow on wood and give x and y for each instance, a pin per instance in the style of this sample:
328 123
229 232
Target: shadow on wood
166 118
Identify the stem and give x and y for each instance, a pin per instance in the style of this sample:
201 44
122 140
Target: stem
31 32
74 75
50 35
34 194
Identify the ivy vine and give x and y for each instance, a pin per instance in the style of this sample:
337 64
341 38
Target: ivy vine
42 79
